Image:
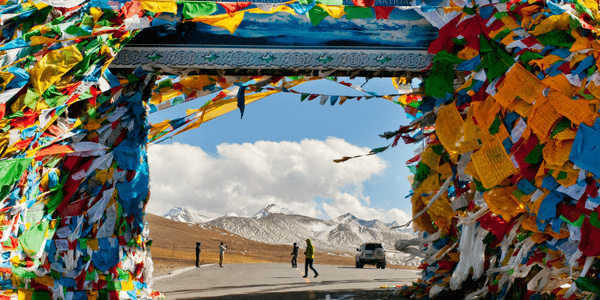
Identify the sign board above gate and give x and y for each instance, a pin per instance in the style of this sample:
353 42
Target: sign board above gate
286 44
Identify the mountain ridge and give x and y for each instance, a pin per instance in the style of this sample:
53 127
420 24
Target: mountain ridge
277 225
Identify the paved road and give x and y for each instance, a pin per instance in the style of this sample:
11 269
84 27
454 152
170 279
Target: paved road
280 281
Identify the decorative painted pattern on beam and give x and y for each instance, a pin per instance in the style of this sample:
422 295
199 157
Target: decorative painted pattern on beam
265 58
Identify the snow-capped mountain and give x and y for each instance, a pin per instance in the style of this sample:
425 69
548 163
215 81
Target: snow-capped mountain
352 219
273 209
181 214
343 234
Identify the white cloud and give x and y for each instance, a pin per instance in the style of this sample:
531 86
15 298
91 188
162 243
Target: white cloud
243 178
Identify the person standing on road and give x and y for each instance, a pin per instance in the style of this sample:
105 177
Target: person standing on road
198 250
310 256
221 254
295 256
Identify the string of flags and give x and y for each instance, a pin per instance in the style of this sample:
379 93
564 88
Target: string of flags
173 90
505 181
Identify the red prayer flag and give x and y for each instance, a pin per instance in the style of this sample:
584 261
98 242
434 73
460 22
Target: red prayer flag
232 7
414 159
74 208
363 2
383 12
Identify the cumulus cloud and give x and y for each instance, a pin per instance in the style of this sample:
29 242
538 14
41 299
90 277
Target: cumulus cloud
243 178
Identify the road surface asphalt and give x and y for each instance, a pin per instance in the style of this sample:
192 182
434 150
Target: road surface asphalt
280 281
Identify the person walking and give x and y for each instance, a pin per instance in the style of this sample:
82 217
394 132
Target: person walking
221 254
198 250
310 256
295 256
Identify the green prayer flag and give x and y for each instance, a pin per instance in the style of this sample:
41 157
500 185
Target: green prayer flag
31 98
535 155
20 272
588 284
556 38
10 172
198 8
316 15
41 295
495 60
356 12
53 97
331 2
441 78
32 240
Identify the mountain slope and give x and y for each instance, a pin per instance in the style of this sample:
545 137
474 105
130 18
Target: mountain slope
181 214
273 209
341 234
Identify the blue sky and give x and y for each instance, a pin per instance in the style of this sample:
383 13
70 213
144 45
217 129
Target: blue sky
281 152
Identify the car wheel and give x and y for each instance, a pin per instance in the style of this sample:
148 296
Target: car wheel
377 265
357 265
383 266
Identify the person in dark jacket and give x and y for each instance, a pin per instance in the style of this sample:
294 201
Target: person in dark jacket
310 256
295 256
198 250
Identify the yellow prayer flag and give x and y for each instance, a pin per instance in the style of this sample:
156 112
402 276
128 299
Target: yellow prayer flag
226 21
96 13
485 112
23 294
492 163
93 244
196 83
168 6
561 84
52 66
280 8
126 286
546 61
430 158
467 53
555 22
450 130
519 82
557 152
502 202
544 117
41 40
578 111
335 11
44 280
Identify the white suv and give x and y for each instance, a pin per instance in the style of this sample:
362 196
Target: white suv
370 253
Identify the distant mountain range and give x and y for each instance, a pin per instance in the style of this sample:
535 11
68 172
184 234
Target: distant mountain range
277 225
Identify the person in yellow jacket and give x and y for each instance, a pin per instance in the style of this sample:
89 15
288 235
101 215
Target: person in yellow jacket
310 256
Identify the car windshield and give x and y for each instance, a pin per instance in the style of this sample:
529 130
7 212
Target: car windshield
372 246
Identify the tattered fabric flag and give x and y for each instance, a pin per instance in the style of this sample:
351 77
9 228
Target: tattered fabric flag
354 12
169 6
383 12
323 99
232 7
192 9
241 101
225 21
363 2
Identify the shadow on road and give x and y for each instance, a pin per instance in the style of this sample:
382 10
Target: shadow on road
270 288
309 295
267 289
